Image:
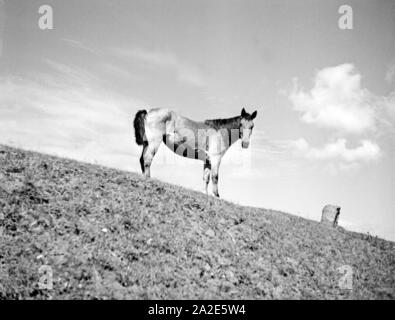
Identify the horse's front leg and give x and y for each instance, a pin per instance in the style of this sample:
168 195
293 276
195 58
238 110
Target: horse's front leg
215 162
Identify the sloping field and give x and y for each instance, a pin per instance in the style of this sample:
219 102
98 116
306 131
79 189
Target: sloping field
107 234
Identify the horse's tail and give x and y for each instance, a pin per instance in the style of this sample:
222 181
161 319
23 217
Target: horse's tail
139 126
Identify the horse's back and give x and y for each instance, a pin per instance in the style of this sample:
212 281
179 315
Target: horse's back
173 120
180 134
158 115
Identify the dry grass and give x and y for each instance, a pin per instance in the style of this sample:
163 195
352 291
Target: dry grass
111 234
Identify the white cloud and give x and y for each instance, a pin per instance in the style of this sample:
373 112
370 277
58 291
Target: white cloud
185 72
67 113
80 45
71 75
336 101
116 71
338 150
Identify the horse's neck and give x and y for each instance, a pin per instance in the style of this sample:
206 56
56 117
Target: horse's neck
230 125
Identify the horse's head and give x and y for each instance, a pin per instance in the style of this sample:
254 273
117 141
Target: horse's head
246 126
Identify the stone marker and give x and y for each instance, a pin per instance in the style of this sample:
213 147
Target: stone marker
330 215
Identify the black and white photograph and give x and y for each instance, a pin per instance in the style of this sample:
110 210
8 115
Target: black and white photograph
215 151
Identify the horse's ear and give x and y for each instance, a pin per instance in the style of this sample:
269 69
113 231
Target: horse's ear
253 116
243 113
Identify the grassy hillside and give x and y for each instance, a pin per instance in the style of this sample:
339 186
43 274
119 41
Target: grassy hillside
111 234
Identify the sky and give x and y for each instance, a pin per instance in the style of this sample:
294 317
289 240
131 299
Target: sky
325 96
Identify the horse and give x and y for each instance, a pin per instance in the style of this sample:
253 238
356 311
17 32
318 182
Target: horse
202 140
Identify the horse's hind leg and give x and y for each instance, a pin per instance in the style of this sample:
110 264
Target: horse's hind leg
206 174
142 156
148 155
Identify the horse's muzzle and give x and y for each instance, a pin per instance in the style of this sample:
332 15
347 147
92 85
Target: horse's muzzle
245 144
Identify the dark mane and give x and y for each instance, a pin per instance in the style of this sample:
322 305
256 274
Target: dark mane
230 123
